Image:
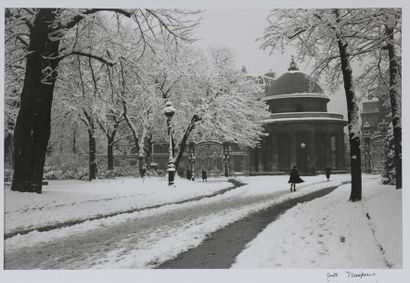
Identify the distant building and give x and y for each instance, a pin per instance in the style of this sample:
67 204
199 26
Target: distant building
374 129
300 130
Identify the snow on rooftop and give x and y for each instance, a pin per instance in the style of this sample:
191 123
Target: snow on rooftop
303 119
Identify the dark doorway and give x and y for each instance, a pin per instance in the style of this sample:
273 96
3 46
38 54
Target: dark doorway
284 152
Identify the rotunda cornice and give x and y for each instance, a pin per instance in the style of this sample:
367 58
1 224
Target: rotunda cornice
305 117
296 95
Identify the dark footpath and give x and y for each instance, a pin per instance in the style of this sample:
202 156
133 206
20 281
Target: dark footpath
220 249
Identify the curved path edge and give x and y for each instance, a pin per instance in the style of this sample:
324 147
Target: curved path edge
221 248
235 183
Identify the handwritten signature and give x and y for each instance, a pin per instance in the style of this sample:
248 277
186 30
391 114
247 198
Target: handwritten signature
349 274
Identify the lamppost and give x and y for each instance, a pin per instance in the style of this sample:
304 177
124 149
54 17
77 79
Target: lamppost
169 111
302 157
226 158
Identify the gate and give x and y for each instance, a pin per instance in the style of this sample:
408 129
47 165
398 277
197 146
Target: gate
209 155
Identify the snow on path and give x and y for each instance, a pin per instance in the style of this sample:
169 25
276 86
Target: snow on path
331 232
383 204
144 239
72 200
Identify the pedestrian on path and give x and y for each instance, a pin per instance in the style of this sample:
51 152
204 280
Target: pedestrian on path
204 176
189 174
294 178
143 172
327 172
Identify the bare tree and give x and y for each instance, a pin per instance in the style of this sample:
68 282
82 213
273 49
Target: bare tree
332 38
382 75
221 104
48 43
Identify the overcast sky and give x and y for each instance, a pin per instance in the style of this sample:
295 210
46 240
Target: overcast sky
239 29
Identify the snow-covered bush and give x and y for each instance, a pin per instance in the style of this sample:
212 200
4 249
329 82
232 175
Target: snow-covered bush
8 175
51 173
82 174
126 171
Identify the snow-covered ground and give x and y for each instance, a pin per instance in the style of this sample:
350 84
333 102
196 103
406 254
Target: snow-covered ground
330 232
72 200
183 231
327 232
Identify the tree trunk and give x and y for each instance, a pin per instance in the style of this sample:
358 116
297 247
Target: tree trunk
92 170
184 139
92 145
110 153
110 134
75 139
8 151
148 156
394 93
142 153
353 119
110 146
130 125
32 130
142 165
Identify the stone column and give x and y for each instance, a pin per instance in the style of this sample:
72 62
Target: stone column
328 152
312 149
275 159
293 149
252 166
260 156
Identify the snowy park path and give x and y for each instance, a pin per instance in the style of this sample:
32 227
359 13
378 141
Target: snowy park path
71 222
331 232
143 239
221 249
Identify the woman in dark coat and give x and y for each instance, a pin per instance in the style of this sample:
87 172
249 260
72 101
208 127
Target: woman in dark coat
294 178
204 176
327 172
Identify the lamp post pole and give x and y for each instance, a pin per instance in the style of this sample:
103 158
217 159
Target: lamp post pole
169 111
226 158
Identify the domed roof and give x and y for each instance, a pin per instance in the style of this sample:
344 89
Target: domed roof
294 81
270 74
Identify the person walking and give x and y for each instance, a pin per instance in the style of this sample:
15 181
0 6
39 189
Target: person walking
294 178
143 172
204 176
327 172
189 174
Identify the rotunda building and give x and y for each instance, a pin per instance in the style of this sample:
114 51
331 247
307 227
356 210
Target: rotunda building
300 131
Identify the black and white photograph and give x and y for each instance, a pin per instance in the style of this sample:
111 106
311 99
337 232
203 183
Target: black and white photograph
259 139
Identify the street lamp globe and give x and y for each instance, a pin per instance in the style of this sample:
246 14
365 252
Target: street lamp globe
302 145
366 129
169 110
